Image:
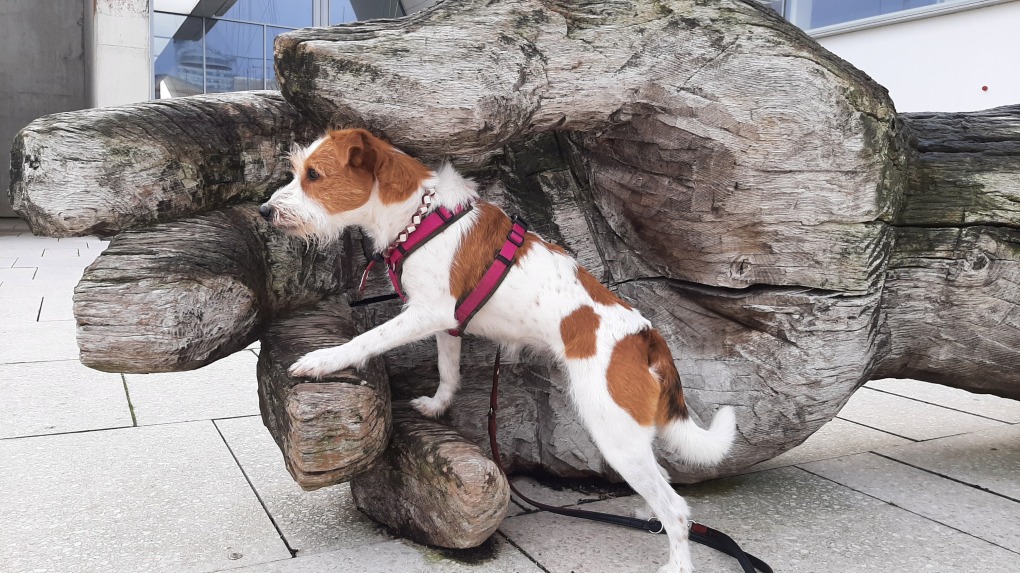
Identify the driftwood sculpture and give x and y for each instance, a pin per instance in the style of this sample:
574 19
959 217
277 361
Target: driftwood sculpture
756 197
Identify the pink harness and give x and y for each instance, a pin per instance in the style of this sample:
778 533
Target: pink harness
433 224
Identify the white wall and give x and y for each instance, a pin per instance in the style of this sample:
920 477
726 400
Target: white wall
941 63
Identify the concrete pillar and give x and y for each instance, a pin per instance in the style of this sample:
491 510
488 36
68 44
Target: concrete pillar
42 69
120 52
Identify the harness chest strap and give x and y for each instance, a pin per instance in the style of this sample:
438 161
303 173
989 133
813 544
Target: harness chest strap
431 226
493 276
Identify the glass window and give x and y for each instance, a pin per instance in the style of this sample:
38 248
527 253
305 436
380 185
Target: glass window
209 46
341 11
234 56
177 55
811 14
289 13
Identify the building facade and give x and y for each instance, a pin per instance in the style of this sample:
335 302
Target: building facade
932 55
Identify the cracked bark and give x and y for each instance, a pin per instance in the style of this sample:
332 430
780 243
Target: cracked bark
757 198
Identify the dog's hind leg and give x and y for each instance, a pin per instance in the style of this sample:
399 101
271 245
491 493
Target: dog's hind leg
627 446
449 377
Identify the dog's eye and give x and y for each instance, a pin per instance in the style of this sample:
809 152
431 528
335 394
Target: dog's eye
312 174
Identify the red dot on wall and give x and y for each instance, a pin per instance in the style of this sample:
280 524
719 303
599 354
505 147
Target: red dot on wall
984 88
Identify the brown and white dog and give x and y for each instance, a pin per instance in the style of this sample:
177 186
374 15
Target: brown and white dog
622 378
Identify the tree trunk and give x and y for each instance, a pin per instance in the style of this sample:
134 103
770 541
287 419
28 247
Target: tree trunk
102 171
176 296
433 486
332 429
951 294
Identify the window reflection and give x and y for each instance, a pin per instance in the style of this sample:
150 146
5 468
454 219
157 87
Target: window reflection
177 55
811 14
234 57
287 13
342 11
209 46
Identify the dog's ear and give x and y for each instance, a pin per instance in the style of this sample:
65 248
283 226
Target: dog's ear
356 148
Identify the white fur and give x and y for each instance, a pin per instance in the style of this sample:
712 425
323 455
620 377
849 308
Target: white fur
539 291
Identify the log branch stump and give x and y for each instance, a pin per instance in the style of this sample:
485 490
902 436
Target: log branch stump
756 197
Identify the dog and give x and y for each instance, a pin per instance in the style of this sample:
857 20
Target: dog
622 378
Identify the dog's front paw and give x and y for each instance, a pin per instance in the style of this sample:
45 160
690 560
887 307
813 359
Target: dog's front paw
429 406
321 362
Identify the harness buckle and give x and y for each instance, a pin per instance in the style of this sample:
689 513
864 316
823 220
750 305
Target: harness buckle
514 237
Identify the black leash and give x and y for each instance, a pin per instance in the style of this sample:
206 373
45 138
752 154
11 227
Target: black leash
698 532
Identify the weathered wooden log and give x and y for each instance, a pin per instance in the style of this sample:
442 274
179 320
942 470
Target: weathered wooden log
755 225
328 430
433 486
951 295
179 295
753 195
101 171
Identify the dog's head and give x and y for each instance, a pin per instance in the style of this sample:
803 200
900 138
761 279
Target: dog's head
344 178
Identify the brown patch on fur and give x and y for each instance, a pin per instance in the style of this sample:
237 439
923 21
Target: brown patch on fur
578 330
671 401
341 181
348 164
479 246
478 249
631 384
598 291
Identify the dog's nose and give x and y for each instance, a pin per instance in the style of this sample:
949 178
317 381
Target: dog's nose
266 211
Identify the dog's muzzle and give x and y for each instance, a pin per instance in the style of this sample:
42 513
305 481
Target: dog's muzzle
266 211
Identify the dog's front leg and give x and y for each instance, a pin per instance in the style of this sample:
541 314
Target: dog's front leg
414 323
449 377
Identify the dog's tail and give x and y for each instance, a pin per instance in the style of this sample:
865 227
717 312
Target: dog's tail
680 434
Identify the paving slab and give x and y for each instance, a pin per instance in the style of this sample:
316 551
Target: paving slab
226 388
988 459
496 556
910 418
834 439
66 273
7 262
1002 409
164 498
795 521
985 515
37 341
52 397
310 521
56 307
19 305
17 275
